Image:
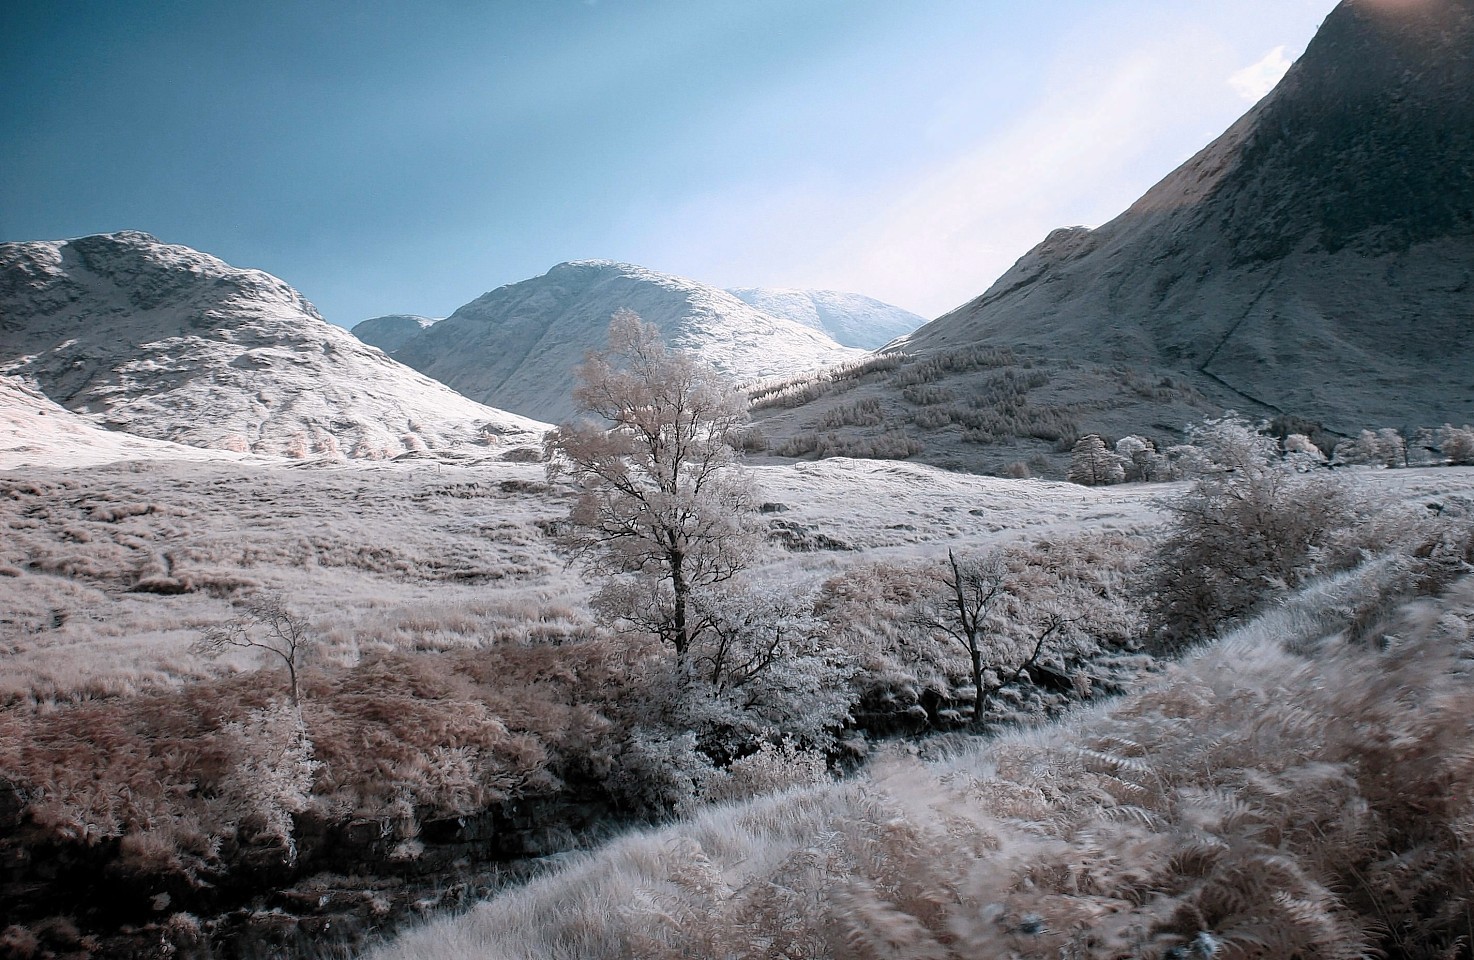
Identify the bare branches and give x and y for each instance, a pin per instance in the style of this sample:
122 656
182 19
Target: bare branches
1004 621
266 623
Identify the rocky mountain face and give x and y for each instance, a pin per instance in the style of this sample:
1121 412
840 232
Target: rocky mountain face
517 347
850 319
391 332
166 342
1316 260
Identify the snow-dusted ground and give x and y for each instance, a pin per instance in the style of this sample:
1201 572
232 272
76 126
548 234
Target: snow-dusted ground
35 432
109 571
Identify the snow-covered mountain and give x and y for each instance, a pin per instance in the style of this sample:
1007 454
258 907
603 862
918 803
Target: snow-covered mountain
1317 259
390 332
166 342
516 347
849 319
36 432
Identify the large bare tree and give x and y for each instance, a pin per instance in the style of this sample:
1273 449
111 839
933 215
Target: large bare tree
661 497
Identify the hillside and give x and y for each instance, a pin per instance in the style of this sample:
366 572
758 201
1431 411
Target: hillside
166 342
1317 259
516 347
1315 262
390 332
850 319
35 432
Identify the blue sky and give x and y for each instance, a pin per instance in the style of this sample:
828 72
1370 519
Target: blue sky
407 157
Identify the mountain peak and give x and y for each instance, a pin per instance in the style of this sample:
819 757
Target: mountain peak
170 343
517 346
1314 260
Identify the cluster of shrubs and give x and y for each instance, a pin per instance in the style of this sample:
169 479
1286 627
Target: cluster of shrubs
997 409
891 445
799 390
1094 461
1286 794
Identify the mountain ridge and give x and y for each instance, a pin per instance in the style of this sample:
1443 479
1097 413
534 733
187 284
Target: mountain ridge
851 319
170 343
516 347
1314 259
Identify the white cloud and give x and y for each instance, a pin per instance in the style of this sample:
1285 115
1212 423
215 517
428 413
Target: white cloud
1258 78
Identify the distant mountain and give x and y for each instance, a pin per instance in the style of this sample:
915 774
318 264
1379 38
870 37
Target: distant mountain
1316 260
389 333
517 347
848 318
167 342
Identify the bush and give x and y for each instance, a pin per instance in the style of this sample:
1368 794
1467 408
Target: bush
1248 527
1457 444
1093 465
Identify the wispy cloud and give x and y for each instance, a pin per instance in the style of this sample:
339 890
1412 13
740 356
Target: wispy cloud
1078 148
1260 77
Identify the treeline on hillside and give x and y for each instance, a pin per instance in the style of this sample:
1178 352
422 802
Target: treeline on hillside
1097 461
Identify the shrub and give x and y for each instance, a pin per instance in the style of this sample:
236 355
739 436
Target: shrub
1457 444
1248 527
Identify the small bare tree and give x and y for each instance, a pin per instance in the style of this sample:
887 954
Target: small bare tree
265 623
981 608
661 498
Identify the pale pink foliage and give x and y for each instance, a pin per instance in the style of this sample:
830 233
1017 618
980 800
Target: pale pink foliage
660 495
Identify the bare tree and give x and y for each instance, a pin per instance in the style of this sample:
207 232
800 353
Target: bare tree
265 623
983 611
660 495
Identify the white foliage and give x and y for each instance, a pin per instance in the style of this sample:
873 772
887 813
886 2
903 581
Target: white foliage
272 777
1093 465
660 495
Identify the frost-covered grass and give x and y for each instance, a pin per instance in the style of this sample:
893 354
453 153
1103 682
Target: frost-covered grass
1280 793
456 665
107 574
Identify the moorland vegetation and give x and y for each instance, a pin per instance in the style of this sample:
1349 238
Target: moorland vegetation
1284 786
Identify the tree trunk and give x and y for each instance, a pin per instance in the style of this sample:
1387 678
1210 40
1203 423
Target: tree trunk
682 589
979 696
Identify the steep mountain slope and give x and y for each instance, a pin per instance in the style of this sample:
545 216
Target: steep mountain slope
167 342
849 318
389 333
1317 259
517 346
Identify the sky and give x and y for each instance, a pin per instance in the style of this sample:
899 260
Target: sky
396 157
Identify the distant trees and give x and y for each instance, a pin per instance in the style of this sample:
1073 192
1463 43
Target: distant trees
1382 448
662 504
1457 444
1093 464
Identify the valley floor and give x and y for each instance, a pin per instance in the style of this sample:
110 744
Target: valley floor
443 614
